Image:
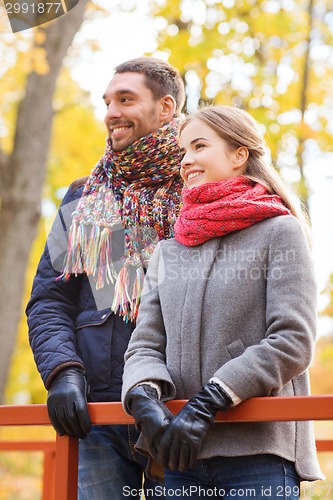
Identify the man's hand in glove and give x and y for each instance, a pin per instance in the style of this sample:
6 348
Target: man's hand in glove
151 416
67 403
181 443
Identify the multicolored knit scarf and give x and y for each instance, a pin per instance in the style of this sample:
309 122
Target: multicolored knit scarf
218 208
138 189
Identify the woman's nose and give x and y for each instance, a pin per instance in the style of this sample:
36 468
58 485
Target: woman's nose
187 160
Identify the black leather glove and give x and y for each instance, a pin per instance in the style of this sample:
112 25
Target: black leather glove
181 443
67 403
151 416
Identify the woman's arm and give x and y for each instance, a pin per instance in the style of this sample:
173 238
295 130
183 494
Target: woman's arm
287 349
145 356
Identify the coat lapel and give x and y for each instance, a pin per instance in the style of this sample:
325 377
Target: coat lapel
197 272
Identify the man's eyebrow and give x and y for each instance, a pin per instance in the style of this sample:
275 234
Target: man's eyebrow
121 92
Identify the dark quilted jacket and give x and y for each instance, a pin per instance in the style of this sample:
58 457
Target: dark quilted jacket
69 324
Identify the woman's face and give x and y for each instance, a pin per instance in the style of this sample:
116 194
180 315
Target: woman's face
208 157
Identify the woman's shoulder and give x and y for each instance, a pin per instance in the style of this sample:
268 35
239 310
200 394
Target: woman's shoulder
286 225
285 221
286 232
280 231
279 225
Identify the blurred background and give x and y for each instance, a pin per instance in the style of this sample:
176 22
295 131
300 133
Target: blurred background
273 58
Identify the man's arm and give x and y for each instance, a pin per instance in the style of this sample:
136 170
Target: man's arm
51 313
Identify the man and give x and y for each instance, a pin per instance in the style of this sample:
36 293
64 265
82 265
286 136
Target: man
86 292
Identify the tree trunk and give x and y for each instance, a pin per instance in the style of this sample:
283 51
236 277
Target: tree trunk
303 189
21 179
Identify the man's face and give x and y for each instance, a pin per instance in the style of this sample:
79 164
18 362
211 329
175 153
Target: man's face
132 112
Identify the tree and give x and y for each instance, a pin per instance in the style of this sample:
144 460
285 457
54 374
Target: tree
22 172
268 57
69 158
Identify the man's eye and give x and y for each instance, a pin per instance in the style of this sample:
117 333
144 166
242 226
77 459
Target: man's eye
126 99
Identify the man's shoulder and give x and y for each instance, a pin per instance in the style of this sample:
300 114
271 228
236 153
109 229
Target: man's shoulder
74 191
78 183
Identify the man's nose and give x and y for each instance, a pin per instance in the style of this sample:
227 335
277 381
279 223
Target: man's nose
113 111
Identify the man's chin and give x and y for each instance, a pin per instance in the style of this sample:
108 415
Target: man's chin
121 144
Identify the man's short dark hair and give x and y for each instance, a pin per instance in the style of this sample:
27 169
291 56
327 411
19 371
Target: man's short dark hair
160 77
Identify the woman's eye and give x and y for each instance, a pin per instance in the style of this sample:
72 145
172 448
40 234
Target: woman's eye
199 146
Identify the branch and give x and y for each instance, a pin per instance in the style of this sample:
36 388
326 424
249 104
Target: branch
3 167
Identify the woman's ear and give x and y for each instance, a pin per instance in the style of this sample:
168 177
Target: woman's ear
168 108
241 156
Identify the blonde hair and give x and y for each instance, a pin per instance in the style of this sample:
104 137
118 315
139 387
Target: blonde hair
238 128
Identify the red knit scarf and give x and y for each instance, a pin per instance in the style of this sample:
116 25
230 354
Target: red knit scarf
218 208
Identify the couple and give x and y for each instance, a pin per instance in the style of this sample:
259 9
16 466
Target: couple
216 341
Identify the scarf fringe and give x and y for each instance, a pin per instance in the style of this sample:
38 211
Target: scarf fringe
73 262
106 271
126 304
95 245
136 295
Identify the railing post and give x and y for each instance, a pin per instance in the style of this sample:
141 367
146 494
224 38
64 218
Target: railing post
66 467
49 475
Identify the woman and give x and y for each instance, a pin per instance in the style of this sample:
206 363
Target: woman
228 313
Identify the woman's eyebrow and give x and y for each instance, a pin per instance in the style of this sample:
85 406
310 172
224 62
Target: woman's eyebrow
199 139
182 149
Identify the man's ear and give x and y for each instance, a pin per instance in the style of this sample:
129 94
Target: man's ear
240 158
168 108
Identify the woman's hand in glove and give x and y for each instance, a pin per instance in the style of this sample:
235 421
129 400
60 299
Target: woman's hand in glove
151 416
181 443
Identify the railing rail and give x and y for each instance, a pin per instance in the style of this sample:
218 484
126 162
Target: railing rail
252 410
49 451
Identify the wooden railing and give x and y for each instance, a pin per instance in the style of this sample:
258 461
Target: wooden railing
49 451
63 484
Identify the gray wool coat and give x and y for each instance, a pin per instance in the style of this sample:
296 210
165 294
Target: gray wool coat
242 308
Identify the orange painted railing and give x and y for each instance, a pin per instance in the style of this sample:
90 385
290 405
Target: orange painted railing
252 410
49 450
